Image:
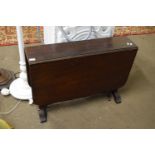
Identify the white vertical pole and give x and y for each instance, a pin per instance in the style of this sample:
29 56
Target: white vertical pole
20 44
22 63
20 88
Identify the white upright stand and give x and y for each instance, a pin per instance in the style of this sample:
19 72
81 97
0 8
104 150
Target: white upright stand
20 88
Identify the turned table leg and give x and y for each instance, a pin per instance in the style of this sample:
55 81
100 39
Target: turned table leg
116 96
43 113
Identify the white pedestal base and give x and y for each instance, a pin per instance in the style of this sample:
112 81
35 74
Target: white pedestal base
21 90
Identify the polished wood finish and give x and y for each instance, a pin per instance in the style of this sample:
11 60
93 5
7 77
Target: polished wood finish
64 71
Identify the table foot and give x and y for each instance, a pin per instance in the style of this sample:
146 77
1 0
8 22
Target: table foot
117 97
43 114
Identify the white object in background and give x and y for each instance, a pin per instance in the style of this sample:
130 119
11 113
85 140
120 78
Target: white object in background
104 31
74 33
20 88
49 34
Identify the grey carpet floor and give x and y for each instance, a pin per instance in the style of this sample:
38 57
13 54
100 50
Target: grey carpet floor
136 111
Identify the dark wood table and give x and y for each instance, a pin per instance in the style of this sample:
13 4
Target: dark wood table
65 71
